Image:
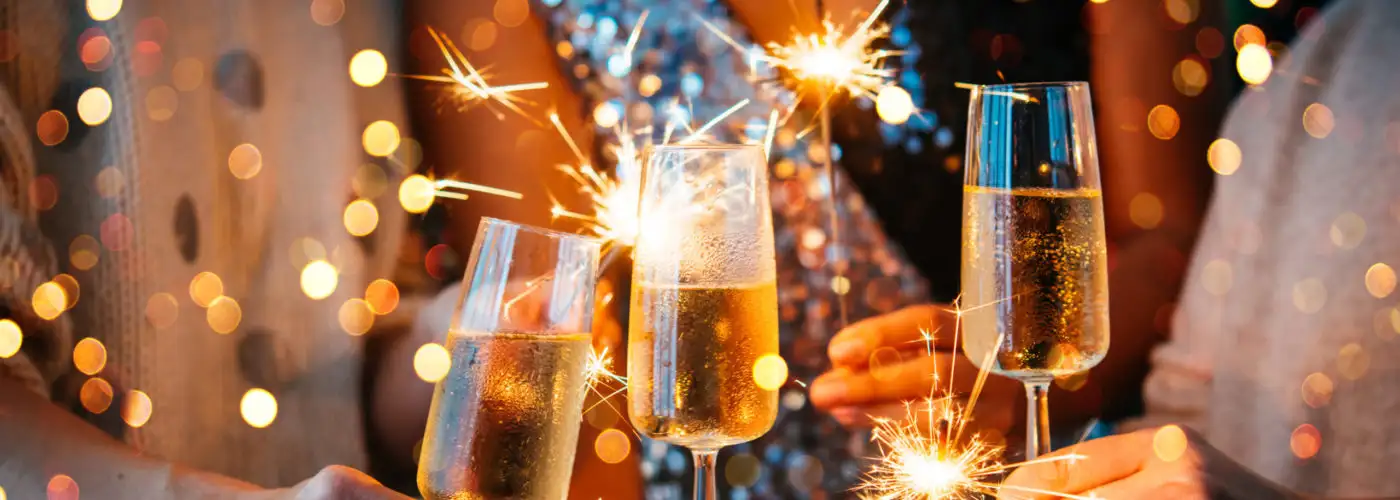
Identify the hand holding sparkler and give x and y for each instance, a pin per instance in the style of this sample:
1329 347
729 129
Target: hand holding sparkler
1165 463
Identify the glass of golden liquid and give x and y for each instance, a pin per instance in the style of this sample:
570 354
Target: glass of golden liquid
704 312
1034 263
504 421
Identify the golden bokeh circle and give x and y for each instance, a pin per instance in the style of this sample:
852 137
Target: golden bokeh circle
89 356
1318 120
205 287
136 409
368 67
612 446
431 362
162 310
223 315
416 194
1353 361
84 252
1169 443
1224 156
71 290
258 407
1317 390
1163 122
380 138
770 372
1305 441
96 395
355 317
1380 280
245 161
11 338
102 10
52 127
1254 64
327 12
894 105
319 279
360 218
94 106
382 296
49 300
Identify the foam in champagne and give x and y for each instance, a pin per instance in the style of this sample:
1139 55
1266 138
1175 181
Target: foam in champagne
504 422
690 363
1034 277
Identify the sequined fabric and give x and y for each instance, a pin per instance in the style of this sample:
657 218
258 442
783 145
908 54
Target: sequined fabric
682 73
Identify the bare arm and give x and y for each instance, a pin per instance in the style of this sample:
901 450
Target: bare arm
41 441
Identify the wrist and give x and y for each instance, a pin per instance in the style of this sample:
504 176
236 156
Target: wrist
182 482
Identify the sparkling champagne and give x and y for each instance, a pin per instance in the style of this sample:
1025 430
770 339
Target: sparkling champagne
505 420
691 363
1035 280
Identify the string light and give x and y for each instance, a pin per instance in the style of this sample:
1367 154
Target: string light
258 407
319 279
368 67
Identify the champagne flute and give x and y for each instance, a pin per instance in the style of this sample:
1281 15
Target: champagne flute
1034 265
504 421
704 311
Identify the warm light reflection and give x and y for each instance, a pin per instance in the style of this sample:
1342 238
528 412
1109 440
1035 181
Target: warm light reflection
89 356
360 217
1380 280
1317 390
245 161
162 310
1309 295
1145 210
431 362
1347 230
258 407
381 138
1169 443
1254 64
161 103
1305 441
770 372
1190 76
187 74
1217 277
62 487
11 338
102 10
205 287
84 252
95 395
223 315
70 287
49 300
136 409
1224 156
52 127
416 194
355 317
382 296
612 446
1163 122
368 67
894 105
94 106
1318 120
327 12
1353 361
319 279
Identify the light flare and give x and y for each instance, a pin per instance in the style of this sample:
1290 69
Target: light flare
470 85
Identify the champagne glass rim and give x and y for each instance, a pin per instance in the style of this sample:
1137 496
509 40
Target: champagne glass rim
550 233
1073 84
703 146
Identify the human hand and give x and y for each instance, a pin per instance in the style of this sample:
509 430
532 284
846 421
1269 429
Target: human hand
335 482
1164 463
880 363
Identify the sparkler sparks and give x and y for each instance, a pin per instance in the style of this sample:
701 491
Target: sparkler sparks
930 455
469 84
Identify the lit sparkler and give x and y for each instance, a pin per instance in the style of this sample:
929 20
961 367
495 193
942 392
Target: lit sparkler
930 455
469 84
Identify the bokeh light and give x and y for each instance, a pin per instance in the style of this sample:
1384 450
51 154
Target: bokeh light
1254 64
162 310
360 217
1305 441
11 338
95 49
43 192
84 252
1318 120
1249 34
89 356
1263 4
742 470
511 13
884 363
382 296
369 181
1182 11
649 85
605 115
1317 390
355 317
431 362
1380 280
1309 295
1169 443
368 67
1190 76
319 279
258 407
894 105
1209 42
480 34
49 301
116 232
162 102
416 194
102 10
205 287
110 182
1347 230
612 446
94 106
1224 156
1163 122
380 138
96 395
327 12
1145 210
188 74
136 409
223 315
62 487
71 290
52 127
245 161
1353 361
770 372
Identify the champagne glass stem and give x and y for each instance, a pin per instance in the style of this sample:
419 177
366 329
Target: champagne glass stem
1037 418
705 474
